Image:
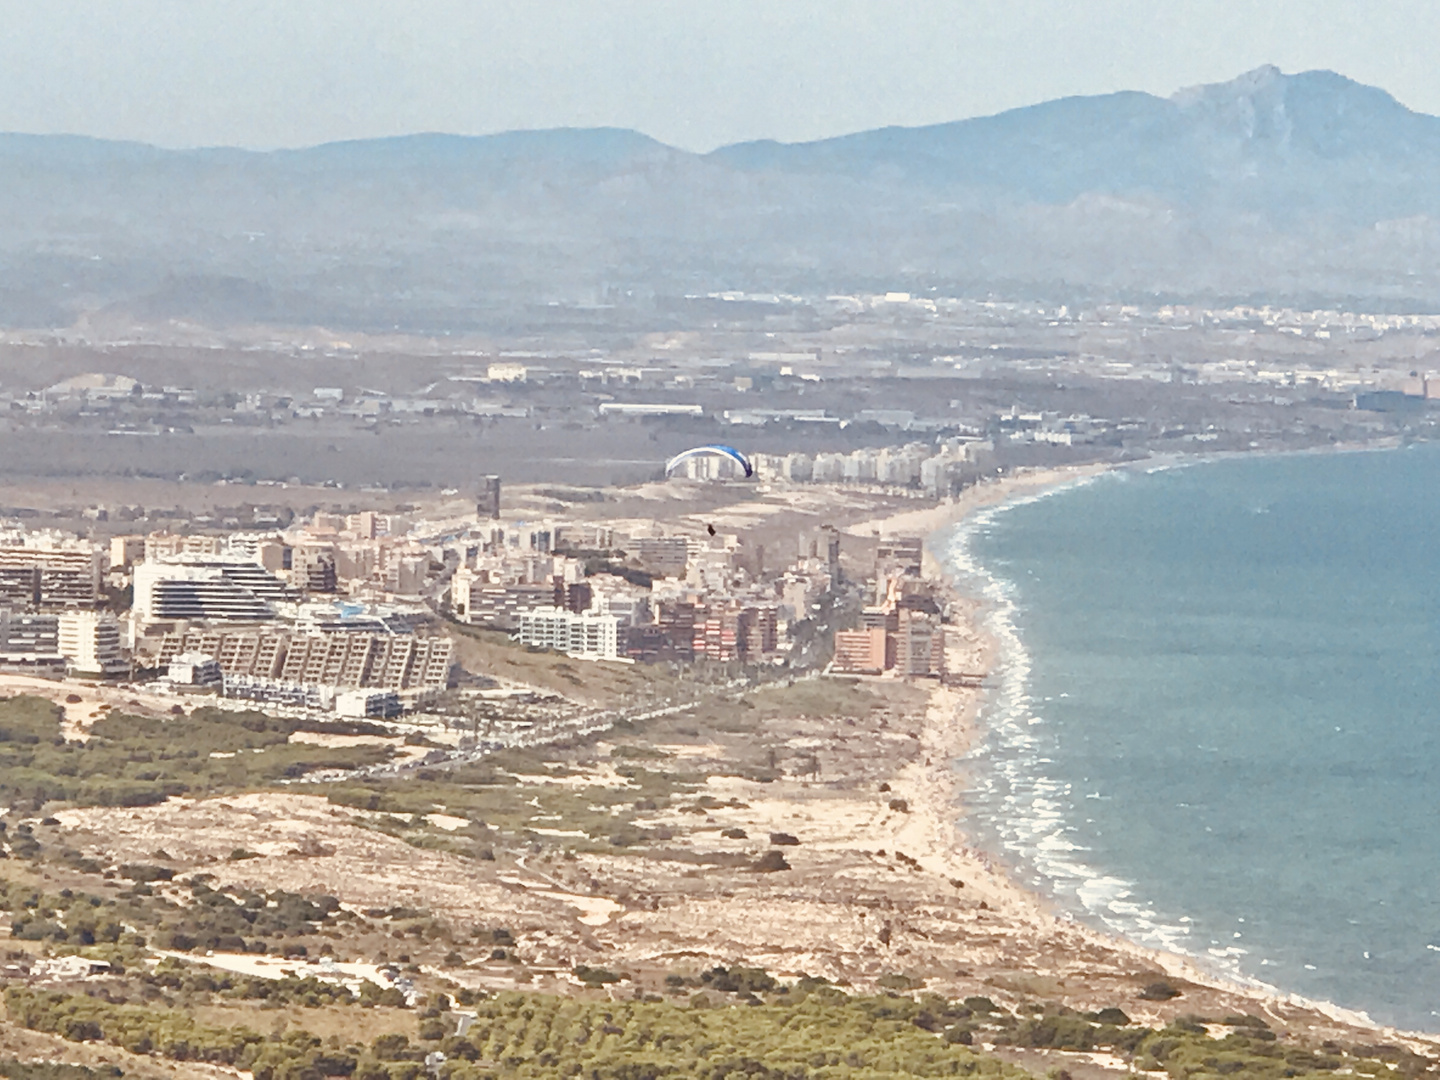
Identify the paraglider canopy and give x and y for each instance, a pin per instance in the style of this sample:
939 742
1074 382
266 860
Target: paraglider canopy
714 451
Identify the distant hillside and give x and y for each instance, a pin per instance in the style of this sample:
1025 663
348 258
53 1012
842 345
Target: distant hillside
1306 187
1266 143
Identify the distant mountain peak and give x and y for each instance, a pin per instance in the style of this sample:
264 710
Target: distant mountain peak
1259 80
1252 106
1321 111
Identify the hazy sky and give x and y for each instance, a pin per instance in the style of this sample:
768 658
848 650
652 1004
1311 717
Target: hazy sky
695 73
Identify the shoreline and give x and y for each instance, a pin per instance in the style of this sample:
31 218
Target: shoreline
956 725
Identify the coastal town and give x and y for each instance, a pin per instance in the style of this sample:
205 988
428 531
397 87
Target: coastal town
353 612
554 748
587 674
719 542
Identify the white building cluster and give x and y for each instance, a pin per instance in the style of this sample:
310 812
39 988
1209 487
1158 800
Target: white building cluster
588 635
926 466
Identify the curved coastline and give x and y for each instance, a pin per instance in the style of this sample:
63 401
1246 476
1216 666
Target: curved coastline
1026 810
1132 926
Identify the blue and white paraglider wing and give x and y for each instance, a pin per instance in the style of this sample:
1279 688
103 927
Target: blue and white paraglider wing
714 451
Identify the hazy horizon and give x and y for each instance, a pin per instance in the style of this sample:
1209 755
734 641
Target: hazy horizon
262 75
442 133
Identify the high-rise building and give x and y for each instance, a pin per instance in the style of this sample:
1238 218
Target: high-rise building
578 596
312 566
860 652
919 644
758 633
678 620
406 573
488 504
30 643
717 634
49 572
227 590
832 552
90 642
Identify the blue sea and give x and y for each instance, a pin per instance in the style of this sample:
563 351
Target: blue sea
1215 727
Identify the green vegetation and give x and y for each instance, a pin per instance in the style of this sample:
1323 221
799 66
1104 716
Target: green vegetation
722 1023
813 1035
236 921
1184 1049
190 981
168 1032
53 1070
819 1034
139 761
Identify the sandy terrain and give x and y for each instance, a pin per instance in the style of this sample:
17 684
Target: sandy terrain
872 890
95 700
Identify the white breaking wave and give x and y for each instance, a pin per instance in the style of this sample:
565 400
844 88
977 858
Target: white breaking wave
1027 810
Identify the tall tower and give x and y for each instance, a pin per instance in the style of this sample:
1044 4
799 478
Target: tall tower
832 552
488 505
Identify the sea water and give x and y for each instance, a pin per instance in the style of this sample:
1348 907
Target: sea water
1215 725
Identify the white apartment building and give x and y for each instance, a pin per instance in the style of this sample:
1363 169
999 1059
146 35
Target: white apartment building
264 549
90 642
235 590
406 573
194 669
171 545
860 465
588 636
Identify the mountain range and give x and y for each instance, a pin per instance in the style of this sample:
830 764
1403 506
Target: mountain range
1306 188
